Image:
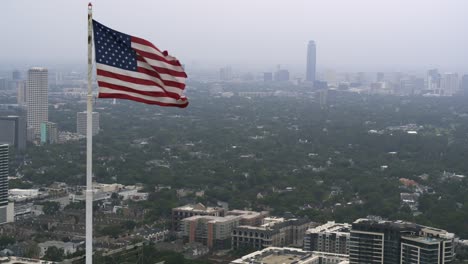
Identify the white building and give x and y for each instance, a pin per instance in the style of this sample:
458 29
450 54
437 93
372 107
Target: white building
285 255
68 247
81 121
37 98
449 83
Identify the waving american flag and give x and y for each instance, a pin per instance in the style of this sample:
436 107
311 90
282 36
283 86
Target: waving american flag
132 68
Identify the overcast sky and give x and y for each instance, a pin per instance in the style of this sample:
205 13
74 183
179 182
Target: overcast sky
350 34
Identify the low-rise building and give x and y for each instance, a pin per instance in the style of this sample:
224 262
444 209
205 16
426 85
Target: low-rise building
250 218
190 210
273 232
211 231
284 255
68 247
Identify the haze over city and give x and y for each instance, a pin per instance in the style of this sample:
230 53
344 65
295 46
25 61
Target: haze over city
361 35
271 132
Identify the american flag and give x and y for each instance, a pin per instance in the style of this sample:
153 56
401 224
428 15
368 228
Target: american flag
132 68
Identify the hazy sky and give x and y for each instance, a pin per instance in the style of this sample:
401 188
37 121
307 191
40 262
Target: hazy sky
356 34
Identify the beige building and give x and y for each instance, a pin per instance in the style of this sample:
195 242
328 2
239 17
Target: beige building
37 98
276 232
190 210
211 231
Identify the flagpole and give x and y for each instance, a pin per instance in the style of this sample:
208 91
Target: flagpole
89 145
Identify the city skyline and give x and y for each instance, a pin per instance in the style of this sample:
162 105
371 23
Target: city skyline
365 38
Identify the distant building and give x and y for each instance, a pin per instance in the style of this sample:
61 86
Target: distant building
374 240
331 237
49 133
189 210
464 84
16 75
311 61
285 255
21 93
81 121
282 75
6 209
433 81
225 73
275 232
449 84
380 77
37 98
13 131
267 76
3 84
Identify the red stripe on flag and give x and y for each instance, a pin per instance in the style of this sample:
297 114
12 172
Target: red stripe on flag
128 97
128 89
163 70
157 57
156 75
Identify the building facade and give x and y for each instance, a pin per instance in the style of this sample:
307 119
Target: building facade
37 98
49 133
13 126
311 62
3 183
81 121
211 231
274 232
190 210
285 255
393 242
331 237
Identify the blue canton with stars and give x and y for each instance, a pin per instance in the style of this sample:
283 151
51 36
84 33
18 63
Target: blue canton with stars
113 48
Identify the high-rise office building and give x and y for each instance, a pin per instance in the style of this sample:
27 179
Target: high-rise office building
311 61
464 84
49 133
16 75
433 80
21 92
37 98
282 75
13 125
225 74
3 183
377 241
13 131
449 83
267 76
81 121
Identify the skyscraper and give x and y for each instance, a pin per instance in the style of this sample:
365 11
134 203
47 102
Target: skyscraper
311 61
49 133
449 83
21 95
81 121
13 125
464 84
37 98
3 182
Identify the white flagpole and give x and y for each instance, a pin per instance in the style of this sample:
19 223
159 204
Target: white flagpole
89 145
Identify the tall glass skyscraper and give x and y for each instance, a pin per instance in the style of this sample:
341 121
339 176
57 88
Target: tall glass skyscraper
37 98
311 61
